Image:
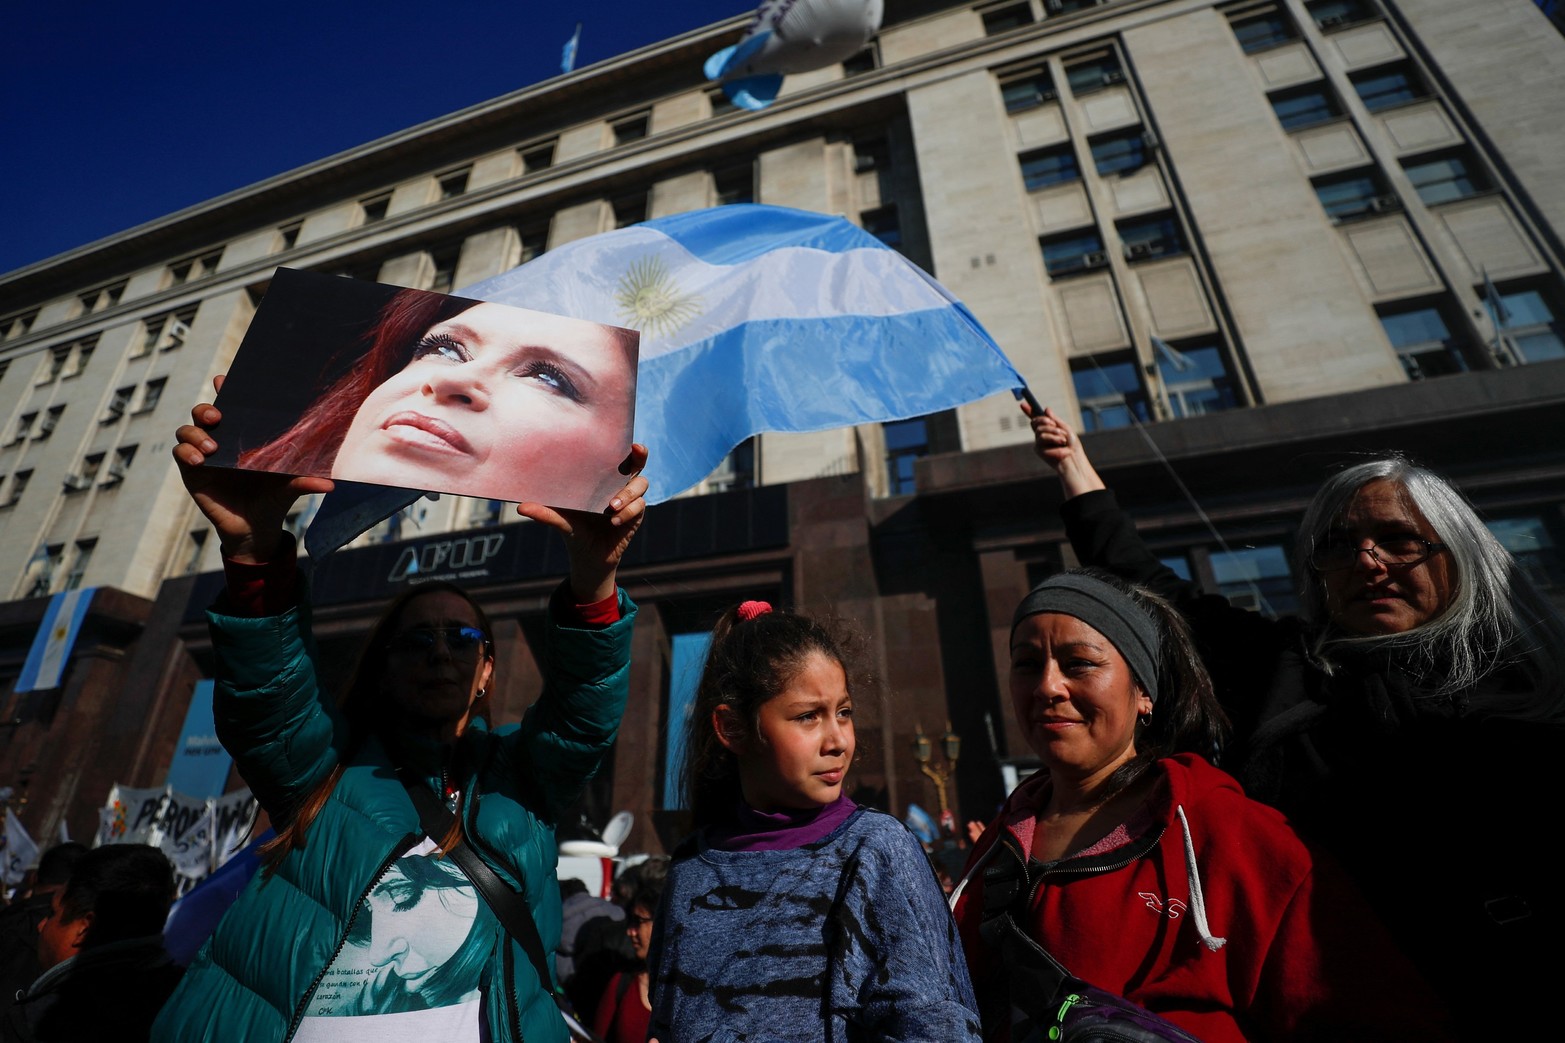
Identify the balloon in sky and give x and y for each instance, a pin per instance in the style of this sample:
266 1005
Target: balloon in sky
787 36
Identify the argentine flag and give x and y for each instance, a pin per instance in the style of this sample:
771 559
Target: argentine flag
761 318
51 648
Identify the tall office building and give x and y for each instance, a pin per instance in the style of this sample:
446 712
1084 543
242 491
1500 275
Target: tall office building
1232 241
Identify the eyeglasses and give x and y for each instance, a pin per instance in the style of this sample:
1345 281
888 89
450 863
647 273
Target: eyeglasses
461 642
632 921
1339 552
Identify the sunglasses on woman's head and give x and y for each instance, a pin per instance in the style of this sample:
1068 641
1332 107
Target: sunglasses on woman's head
459 641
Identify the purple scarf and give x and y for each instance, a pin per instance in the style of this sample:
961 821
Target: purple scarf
752 830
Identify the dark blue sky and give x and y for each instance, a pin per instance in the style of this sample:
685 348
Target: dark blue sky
116 114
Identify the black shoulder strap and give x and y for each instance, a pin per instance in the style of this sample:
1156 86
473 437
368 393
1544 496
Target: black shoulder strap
509 907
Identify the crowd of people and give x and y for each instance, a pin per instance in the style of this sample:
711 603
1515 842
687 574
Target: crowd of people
1305 828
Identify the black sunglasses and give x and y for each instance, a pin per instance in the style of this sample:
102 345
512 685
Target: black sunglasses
460 641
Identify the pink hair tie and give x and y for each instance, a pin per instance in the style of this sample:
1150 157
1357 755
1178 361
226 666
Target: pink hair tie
750 609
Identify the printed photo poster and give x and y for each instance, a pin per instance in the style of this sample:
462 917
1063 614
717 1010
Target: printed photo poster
363 382
419 941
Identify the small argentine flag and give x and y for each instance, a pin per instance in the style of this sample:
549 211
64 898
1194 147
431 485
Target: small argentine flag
51 648
568 52
762 318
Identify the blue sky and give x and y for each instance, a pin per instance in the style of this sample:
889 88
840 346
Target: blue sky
115 114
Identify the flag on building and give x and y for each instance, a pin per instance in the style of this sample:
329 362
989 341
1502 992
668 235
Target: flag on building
762 318
51 648
18 851
568 54
1173 356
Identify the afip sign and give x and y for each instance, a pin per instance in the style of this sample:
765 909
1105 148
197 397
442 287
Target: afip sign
462 557
200 765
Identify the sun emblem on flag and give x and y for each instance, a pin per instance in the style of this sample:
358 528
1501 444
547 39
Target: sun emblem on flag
650 300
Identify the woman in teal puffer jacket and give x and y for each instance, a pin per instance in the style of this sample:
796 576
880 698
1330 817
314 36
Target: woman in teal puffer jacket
357 929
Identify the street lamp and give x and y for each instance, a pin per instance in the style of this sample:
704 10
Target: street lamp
951 746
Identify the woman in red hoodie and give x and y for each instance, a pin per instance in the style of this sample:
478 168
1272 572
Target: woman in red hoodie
1145 870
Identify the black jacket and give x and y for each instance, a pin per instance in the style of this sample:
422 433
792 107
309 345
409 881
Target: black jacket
110 992
1440 808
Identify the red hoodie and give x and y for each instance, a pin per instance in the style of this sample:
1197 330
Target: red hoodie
1267 941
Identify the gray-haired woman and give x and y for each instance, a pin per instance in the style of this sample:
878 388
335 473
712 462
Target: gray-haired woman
1407 720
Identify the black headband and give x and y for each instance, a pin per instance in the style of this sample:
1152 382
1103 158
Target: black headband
1105 609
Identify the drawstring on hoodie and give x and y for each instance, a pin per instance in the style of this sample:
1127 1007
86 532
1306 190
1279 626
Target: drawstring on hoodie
1197 900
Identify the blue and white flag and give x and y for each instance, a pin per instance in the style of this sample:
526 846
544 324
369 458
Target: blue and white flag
568 53
18 851
761 318
51 648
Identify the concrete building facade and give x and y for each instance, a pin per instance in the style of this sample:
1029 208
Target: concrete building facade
1233 241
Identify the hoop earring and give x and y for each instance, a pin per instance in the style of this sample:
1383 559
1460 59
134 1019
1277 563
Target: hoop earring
1144 719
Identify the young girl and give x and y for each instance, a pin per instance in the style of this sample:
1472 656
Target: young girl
793 913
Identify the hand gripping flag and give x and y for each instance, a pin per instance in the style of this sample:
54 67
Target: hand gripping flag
761 318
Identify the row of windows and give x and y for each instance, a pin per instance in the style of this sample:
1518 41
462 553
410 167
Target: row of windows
102 469
1442 178
1004 17
1194 378
30 428
1258 576
1530 331
45 574
1260 27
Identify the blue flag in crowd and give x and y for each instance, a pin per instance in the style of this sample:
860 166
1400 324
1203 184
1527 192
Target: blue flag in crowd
761 318
51 648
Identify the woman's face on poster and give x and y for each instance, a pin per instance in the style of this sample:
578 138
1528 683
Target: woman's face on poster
416 929
504 403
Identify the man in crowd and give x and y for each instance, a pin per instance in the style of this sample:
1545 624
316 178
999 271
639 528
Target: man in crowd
105 971
19 921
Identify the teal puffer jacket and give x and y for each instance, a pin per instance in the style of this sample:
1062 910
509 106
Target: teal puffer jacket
252 979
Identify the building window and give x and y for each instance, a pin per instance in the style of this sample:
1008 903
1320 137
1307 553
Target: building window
54 365
43 568
194 548
85 475
375 207
1256 578
1073 253
118 404
1109 393
1358 194
79 563
1147 237
719 102
1337 14
193 268
445 262
51 420
734 185
1054 7
454 183
1027 90
1532 326
1195 379
630 210
19 482
101 298
1122 152
81 353
1094 72
120 465
1050 166
538 158
1305 106
535 242
1388 86
1006 17
1443 179
290 234
867 60
906 441
884 224
871 154
631 128
24 427
17 325
151 394
737 471
166 332
487 512
1530 542
1423 342
1258 30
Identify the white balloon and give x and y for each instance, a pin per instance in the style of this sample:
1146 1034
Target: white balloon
790 36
